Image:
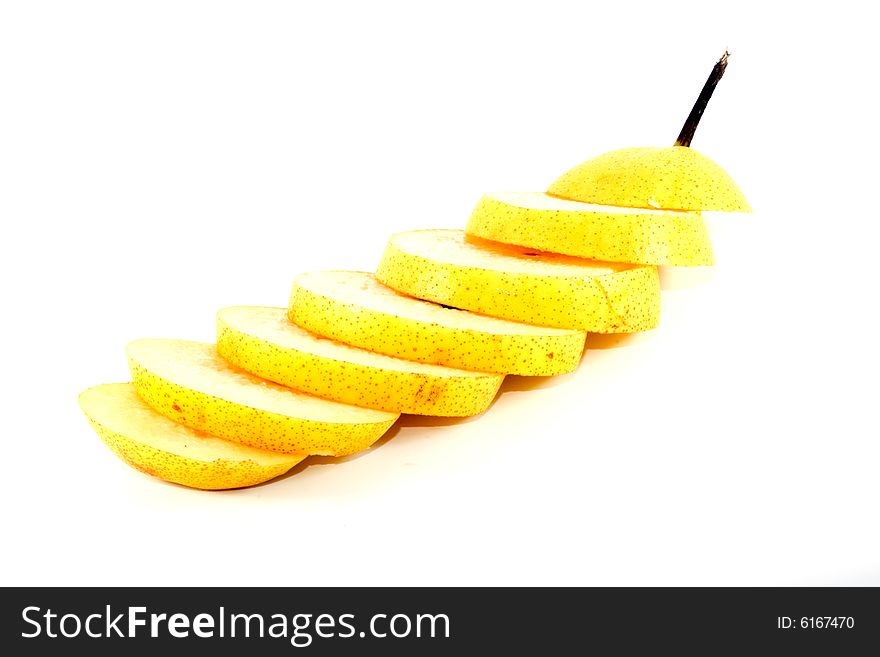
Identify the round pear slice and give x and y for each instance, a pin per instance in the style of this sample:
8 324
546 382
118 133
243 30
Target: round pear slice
263 342
153 444
522 285
191 384
599 232
353 307
669 178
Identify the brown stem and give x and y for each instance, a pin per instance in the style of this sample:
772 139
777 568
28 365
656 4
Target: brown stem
693 119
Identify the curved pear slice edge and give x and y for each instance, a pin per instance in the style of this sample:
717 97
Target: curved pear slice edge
671 177
190 383
631 235
520 284
155 445
263 341
354 308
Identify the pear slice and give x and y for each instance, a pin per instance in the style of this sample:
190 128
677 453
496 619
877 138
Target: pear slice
353 307
516 283
160 447
189 383
670 178
263 342
601 232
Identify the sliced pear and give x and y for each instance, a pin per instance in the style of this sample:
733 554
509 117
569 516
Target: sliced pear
600 232
516 283
160 447
189 383
670 178
353 307
263 342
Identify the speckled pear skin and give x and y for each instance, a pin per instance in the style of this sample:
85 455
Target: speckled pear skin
251 467
399 388
623 301
679 239
216 475
377 318
253 426
669 178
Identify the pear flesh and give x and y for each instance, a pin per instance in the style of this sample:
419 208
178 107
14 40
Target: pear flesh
522 285
355 308
190 383
633 235
265 343
667 178
157 446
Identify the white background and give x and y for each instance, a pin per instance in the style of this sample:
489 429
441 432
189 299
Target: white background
160 160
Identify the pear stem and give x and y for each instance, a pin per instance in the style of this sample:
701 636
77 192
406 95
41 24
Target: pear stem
693 119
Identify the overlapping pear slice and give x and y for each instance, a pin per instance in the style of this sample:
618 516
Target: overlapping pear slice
600 232
264 342
190 383
353 307
522 285
675 177
671 177
153 444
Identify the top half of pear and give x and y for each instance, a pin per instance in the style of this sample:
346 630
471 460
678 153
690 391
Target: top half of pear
667 178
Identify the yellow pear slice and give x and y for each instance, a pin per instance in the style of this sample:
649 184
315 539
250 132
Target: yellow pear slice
263 342
189 383
153 444
516 283
600 232
670 178
353 307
